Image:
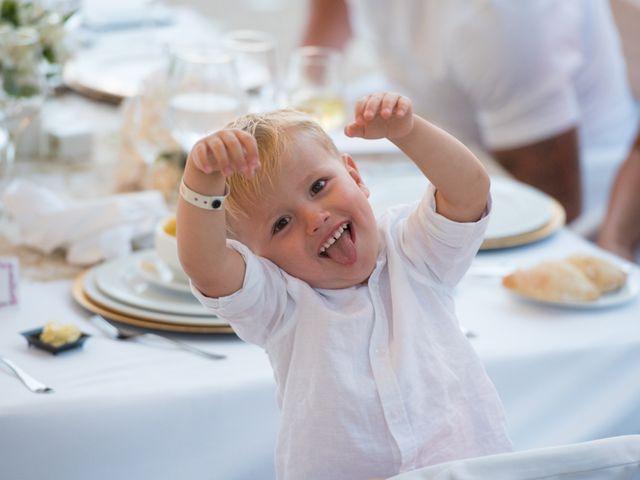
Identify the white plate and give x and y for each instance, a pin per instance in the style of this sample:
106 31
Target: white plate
627 293
517 209
116 74
120 280
156 272
95 294
392 183
360 146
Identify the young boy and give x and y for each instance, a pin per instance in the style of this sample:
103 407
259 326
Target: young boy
374 375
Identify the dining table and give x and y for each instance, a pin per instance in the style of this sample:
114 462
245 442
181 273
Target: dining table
146 409
138 409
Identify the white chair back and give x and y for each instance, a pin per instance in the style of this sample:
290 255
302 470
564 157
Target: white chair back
615 458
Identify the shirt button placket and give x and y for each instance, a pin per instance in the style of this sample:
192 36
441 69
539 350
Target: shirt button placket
387 385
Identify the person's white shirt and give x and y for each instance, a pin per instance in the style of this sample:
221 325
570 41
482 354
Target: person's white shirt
377 378
502 73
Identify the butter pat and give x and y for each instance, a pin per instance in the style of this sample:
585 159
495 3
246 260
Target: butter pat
57 334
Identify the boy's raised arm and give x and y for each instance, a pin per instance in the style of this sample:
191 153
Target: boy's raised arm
214 269
461 181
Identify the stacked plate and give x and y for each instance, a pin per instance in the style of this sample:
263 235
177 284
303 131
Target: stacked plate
112 74
520 215
141 290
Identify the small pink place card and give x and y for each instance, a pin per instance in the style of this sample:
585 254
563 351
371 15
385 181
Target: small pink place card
8 281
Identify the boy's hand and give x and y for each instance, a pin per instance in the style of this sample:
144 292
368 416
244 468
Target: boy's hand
226 151
381 115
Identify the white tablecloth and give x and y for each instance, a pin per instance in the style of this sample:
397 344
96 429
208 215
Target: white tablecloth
565 375
135 411
131 411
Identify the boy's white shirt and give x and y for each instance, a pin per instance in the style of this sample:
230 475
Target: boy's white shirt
373 379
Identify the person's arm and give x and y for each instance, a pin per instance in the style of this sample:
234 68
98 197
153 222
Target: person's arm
620 231
461 181
328 24
551 165
214 269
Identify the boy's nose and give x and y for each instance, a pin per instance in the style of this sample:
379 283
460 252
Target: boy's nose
315 218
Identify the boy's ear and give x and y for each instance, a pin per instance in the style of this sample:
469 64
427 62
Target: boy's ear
352 168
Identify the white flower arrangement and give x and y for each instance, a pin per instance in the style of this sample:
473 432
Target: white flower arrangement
31 38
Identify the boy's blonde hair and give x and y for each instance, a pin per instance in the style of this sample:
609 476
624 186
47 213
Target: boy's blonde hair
272 131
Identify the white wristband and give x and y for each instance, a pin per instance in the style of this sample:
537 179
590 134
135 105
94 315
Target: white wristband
199 200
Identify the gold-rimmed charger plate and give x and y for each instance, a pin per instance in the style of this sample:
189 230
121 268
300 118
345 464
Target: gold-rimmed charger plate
112 75
85 301
557 220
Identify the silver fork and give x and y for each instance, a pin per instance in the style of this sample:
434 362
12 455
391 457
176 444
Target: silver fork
123 334
30 382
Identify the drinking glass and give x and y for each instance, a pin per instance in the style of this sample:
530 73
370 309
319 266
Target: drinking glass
257 63
22 91
315 85
204 93
6 161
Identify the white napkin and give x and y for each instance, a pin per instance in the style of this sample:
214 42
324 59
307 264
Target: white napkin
89 230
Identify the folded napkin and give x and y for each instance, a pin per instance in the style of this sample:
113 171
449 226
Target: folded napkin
89 230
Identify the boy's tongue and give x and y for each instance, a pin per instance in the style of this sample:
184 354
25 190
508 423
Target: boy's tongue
343 251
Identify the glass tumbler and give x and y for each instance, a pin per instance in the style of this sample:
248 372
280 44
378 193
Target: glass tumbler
204 93
22 89
256 59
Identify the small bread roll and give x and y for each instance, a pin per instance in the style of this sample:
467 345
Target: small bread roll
552 281
606 276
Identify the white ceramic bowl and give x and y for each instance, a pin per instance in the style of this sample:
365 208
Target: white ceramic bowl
166 246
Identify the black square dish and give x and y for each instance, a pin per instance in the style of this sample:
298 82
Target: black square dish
33 338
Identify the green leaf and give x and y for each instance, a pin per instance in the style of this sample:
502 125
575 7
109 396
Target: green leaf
22 91
9 12
68 15
16 86
174 157
49 54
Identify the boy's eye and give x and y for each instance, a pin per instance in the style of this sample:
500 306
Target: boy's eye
281 223
318 185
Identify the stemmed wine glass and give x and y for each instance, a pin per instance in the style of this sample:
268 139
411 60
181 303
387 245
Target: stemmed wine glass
257 63
315 85
204 93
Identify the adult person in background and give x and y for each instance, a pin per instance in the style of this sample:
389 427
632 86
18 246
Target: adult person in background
620 231
541 84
